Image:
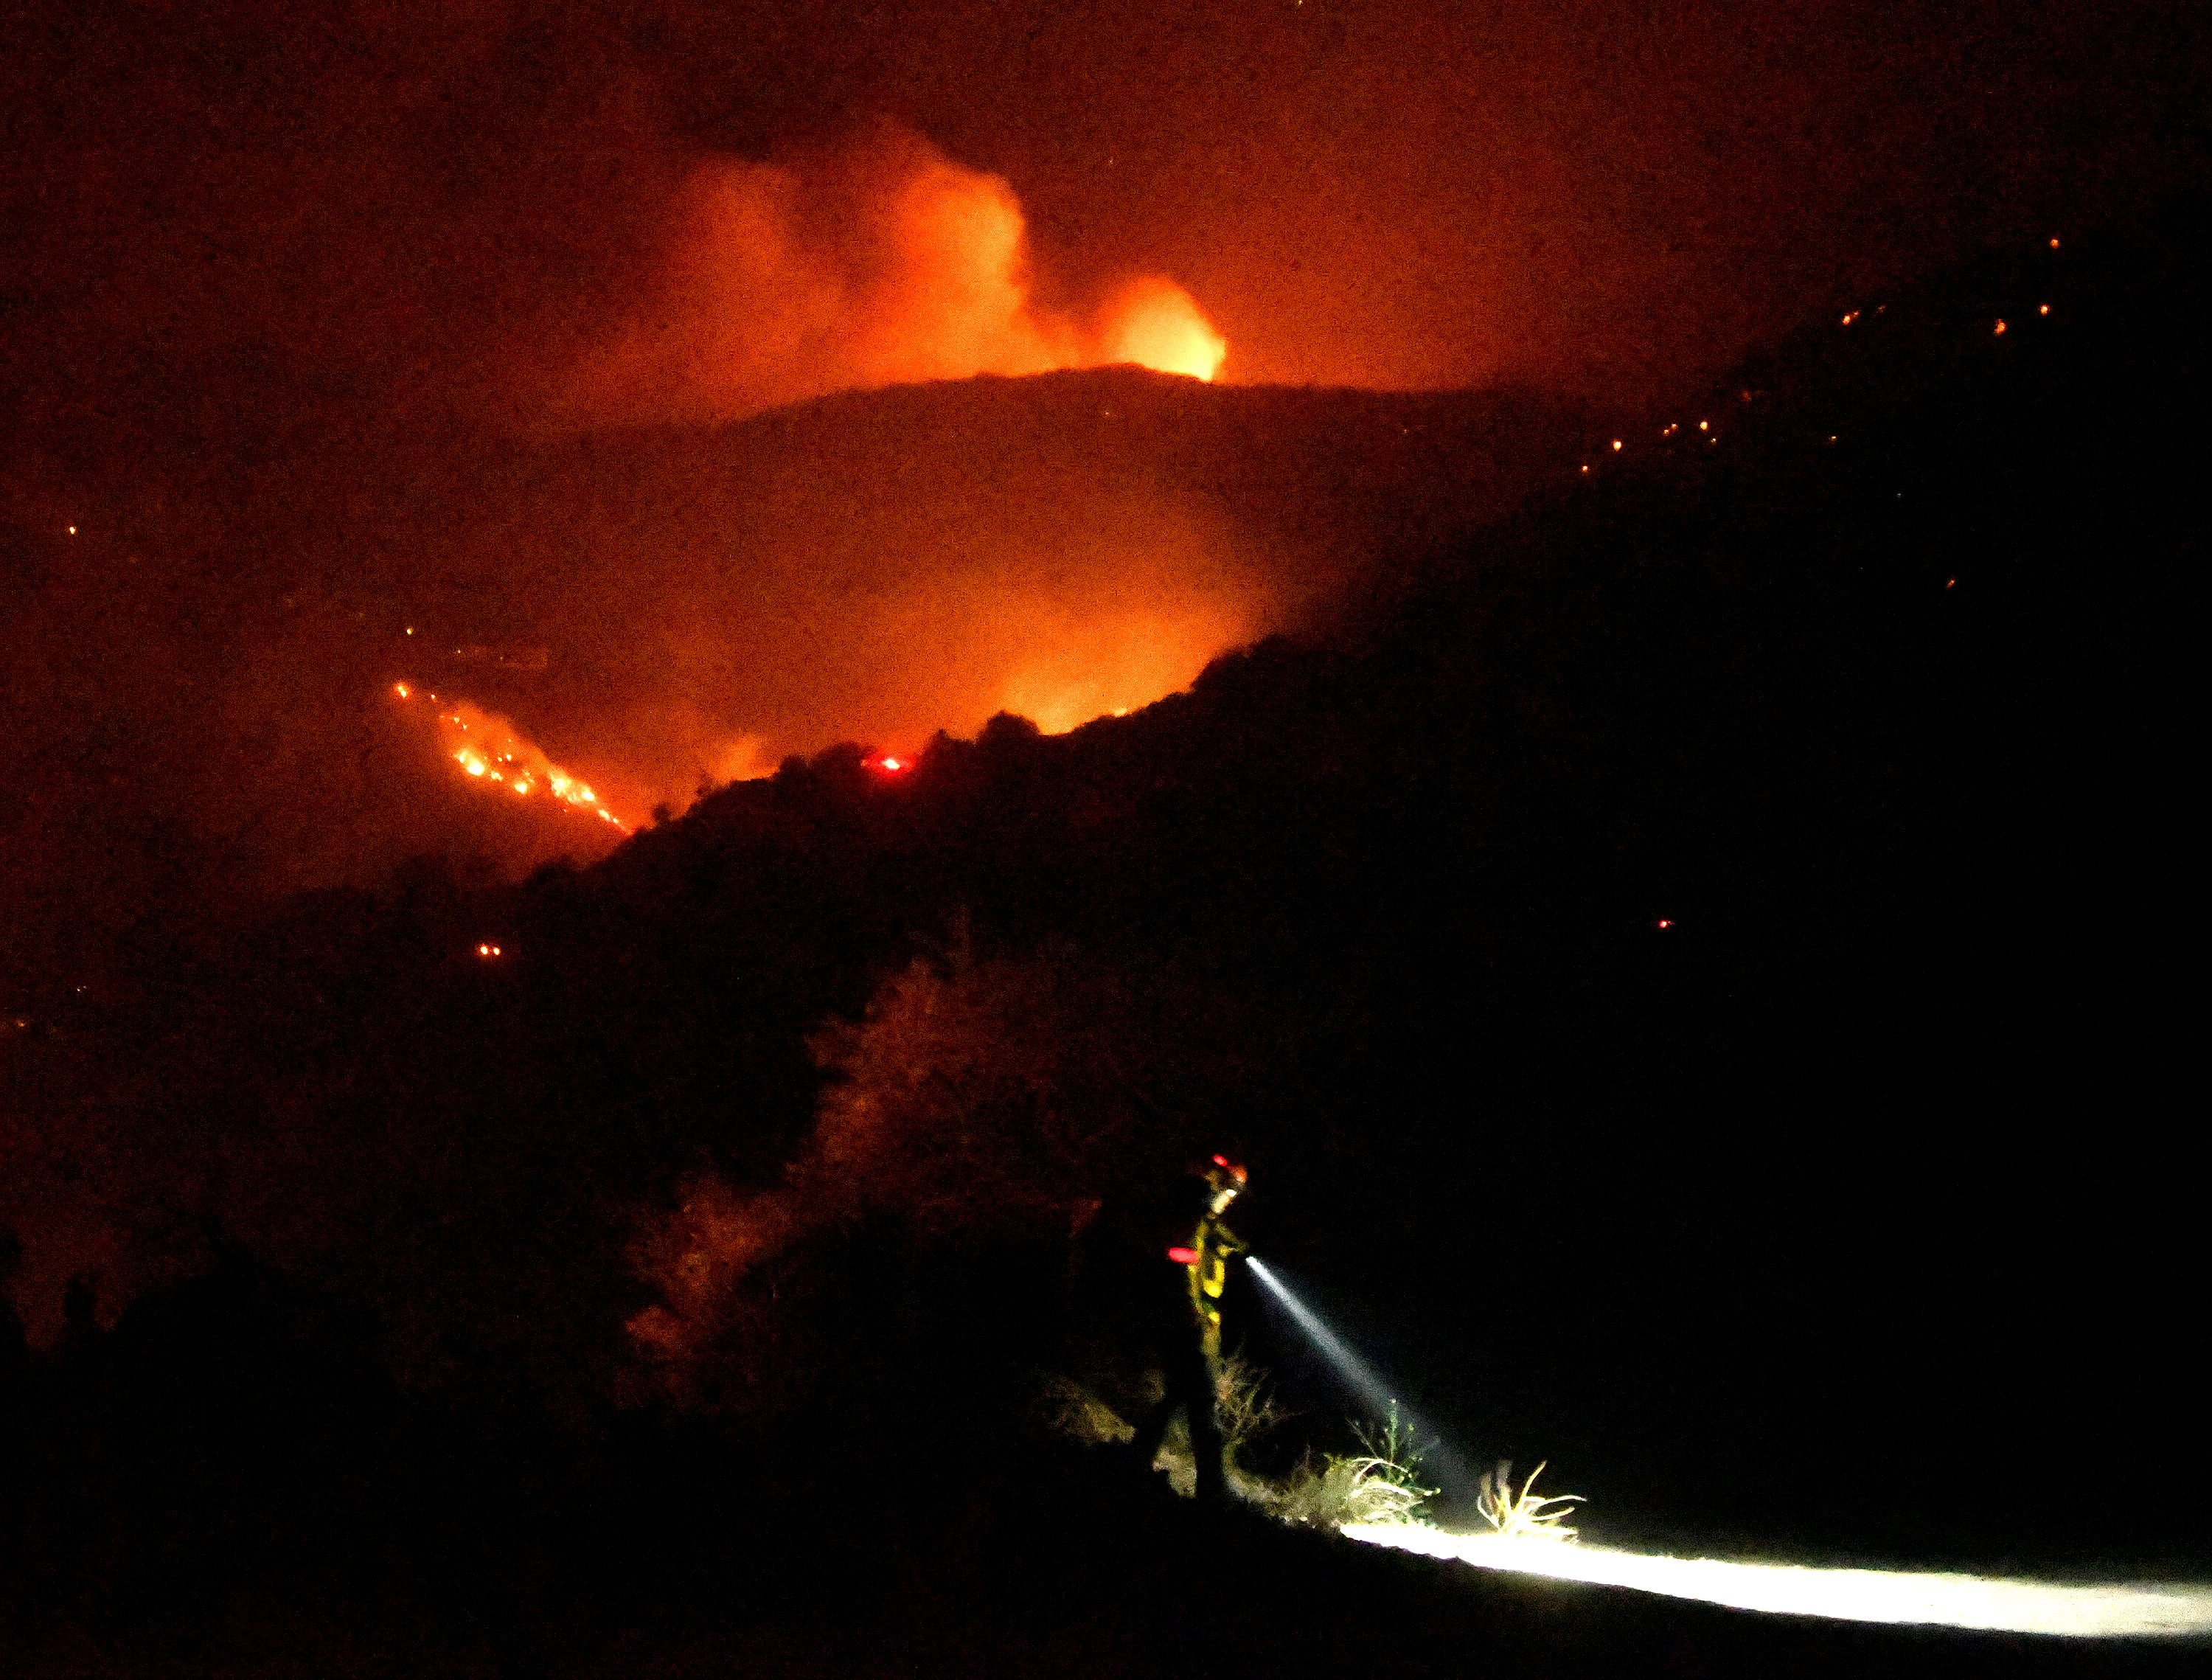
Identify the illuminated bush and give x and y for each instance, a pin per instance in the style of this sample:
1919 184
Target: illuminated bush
1381 1485
1523 1515
1243 1410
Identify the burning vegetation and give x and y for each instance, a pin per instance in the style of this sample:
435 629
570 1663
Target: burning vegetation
492 753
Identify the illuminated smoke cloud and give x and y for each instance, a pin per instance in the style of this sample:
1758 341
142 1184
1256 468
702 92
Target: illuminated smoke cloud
881 264
1157 324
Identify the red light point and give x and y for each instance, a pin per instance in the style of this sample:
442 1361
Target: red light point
1664 922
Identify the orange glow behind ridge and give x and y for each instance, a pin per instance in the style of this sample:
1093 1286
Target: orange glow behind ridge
1156 323
761 298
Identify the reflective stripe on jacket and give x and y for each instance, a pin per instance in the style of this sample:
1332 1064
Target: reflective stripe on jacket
1212 1245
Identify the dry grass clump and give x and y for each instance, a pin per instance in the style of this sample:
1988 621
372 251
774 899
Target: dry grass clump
1381 1484
1073 1410
1345 1490
1243 1411
1523 1515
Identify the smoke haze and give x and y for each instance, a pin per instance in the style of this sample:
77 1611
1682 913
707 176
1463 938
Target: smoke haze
876 567
880 262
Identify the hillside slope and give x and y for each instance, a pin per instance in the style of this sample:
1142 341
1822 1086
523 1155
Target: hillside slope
1692 981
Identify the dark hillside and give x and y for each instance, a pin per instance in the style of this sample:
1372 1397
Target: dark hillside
1694 982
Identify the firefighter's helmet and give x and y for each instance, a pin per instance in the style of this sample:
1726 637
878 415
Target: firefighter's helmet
1225 1174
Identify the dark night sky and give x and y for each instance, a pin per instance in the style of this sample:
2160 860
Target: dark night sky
433 204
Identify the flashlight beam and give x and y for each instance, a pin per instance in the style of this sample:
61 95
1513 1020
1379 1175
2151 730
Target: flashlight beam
1450 1472
1355 1370
2120 1609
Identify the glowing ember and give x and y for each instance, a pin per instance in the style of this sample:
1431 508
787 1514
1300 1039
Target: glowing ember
490 749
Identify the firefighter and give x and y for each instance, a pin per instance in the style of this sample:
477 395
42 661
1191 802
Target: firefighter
1190 1356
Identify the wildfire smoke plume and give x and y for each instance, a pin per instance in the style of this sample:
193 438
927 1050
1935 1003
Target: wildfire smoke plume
881 262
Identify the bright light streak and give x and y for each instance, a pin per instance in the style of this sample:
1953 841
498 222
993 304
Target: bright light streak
1996 1603
1361 1376
1354 1370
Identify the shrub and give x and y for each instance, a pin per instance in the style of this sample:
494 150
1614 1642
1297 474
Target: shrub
1523 1515
1070 1409
1381 1484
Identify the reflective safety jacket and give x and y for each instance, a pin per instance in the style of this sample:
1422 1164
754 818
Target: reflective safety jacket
1211 1246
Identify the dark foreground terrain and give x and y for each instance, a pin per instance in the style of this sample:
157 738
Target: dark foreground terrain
465 1547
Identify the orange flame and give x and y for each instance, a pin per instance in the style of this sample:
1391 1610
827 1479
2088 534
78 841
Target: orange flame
490 749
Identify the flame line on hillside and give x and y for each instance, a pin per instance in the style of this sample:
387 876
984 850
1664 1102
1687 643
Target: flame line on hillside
499 756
